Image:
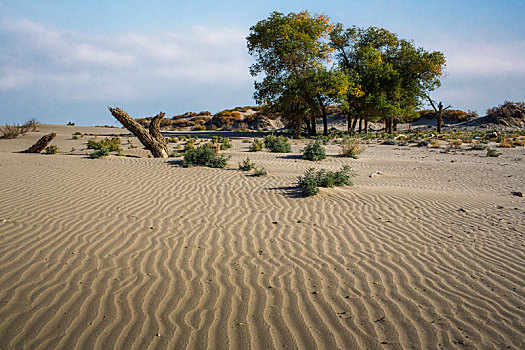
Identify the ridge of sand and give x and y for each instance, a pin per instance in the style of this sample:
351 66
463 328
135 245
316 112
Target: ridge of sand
138 253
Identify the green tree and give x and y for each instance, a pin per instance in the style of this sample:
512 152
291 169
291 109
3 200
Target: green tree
390 76
292 52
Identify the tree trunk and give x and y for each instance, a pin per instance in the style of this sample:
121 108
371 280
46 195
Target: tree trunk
41 144
313 127
360 125
325 117
366 126
439 117
154 130
394 125
149 141
298 124
349 120
354 123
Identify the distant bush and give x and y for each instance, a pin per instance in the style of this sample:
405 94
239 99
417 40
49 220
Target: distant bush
112 144
199 127
223 142
277 144
260 171
70 124
312 180
352 147
246 165
389 142
423 143
505 143
257 146
13 131
454 144
204 155
100 152
492 153
314 151
478 146
52 149
190 145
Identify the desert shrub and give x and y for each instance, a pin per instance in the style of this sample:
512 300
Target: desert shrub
312 180
204 155
112 144
224 142
13 131
389 142
352 147
70 124
174 154
492 153
52 149
199 127
434 144
423 143
246 165
505 143
519 142
314 151
277 144
478 146
455 144
190 145
101 152
257 146
260 171
323 138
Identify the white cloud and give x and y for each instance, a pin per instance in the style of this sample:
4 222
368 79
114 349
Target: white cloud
93 67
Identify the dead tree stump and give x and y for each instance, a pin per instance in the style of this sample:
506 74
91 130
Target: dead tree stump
158 149
41 144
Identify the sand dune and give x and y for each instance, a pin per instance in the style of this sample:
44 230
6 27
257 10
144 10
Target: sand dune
140 253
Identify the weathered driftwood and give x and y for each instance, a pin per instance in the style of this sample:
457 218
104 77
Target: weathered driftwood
156 148
154 130
41 144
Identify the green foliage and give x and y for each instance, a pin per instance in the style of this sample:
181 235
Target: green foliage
260 171
423 143
351 147
312 180
112 144
314 151
204 155
492 153
52 149
478 146
277 144
190 145
246 165
100 152
224 142
389 142
257 146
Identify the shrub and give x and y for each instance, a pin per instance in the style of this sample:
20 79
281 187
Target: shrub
423 143
70 124
257 146
52 149
505 143
204 155
389 142
190 145
434 144
112 144
101 152
277 144
199 127
13 131
224 142
260 171
314 151
478 146
312 180
492 153
246 165
352 147
455 144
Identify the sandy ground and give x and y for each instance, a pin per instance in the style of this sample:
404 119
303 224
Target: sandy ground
140 253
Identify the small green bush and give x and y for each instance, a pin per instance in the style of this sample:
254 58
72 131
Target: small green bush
246 165
314 151
112 144
277 144
101 152
423 143
260 171
478 146
190 145
492 153
312 180
351 147
389 142
257 146
52 149
204 155
224 142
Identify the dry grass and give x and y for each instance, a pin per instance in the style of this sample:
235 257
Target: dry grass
351 147
455 144
13 131
434 144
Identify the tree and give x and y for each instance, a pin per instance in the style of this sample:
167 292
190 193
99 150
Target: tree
390 76
292 53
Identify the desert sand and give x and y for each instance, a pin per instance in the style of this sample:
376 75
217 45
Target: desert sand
140 253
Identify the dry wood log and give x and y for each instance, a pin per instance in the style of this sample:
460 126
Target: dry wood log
41 144
149 141
154 130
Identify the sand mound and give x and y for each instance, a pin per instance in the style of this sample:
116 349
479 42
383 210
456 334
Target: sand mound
138 253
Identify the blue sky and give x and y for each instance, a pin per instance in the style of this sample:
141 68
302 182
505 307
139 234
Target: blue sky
68 60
